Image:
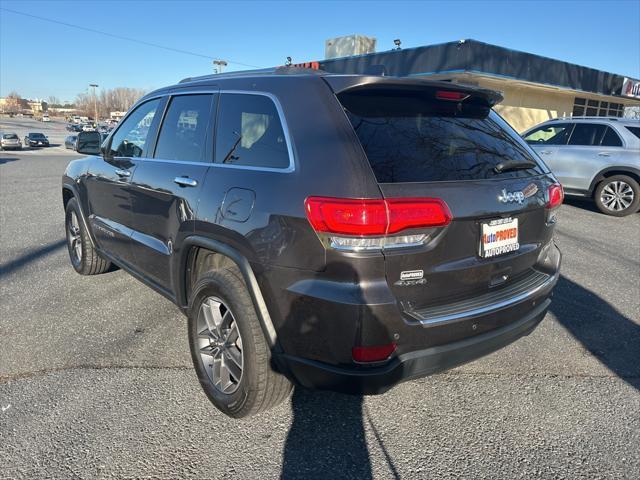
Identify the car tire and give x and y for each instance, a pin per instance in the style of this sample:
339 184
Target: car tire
618 195
225 333
84 258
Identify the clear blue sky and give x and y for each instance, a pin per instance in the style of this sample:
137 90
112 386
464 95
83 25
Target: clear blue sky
39 59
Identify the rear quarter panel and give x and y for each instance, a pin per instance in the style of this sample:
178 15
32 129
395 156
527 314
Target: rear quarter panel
328 162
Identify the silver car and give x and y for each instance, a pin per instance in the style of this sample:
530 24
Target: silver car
10 141
596 157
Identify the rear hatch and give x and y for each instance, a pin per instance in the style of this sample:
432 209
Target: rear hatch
441 141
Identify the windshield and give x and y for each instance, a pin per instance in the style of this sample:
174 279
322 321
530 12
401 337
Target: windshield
408 138
36 135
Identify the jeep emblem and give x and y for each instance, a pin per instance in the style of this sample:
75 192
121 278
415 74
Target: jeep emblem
507 197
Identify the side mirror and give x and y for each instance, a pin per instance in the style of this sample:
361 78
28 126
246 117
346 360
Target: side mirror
89 143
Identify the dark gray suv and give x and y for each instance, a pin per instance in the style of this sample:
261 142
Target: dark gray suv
338 232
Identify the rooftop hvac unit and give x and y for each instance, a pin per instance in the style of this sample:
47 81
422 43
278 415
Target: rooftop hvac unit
349 45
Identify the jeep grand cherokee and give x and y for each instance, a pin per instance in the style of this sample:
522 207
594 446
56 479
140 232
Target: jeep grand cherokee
338 232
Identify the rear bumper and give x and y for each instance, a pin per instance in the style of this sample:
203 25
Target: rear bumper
415 364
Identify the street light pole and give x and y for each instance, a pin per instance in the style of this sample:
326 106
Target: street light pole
95 102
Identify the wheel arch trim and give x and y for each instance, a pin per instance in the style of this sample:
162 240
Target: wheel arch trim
622 170
245 269
83 218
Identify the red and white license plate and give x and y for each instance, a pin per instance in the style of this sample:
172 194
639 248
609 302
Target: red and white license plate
498 237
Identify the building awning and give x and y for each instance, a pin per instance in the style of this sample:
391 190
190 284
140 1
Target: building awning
473 57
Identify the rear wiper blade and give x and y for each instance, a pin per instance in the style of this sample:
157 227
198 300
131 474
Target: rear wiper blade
513 165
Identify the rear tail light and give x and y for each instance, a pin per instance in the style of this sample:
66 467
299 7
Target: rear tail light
361 224
417 213
555 196
347 216
375 353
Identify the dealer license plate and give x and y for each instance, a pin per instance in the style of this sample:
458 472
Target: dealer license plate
498 237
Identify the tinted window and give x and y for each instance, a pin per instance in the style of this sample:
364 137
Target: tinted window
130 140
10 136
611 139
408 137
183 135
556 134
250 133
634 130
587 134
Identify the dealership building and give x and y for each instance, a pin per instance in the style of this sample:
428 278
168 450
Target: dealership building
535 88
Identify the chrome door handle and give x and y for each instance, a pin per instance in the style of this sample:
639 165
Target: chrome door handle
185 181
123 173
604 154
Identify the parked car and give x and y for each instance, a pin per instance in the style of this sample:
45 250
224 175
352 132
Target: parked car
36 140
594 157
87 128
10 141
402 229
71 142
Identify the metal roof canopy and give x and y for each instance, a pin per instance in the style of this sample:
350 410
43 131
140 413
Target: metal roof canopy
471 56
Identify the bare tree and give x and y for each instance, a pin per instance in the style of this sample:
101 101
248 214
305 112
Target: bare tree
53 101
14 102
632 112
109 100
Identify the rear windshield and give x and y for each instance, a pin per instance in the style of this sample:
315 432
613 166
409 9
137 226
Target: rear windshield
9 136
410 137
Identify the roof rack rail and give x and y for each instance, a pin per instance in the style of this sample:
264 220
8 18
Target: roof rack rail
311 68
586 117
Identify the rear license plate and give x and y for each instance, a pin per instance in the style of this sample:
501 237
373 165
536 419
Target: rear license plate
498 237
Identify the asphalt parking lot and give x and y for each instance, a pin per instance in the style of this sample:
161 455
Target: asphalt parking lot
96 379
21 126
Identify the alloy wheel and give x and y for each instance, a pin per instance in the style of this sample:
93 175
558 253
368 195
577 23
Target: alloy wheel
74 238
220 345
617 196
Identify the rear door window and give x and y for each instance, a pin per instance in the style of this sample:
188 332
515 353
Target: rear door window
587 134
185 128
409 137
250 132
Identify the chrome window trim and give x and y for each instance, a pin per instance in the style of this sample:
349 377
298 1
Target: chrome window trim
285 129
283 121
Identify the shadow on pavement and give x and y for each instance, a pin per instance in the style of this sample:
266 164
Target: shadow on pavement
326 438
30 256
583 203
8 159
607 334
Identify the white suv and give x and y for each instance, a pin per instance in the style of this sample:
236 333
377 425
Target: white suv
597 157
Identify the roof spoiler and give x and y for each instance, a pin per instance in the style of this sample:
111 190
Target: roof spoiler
352 83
